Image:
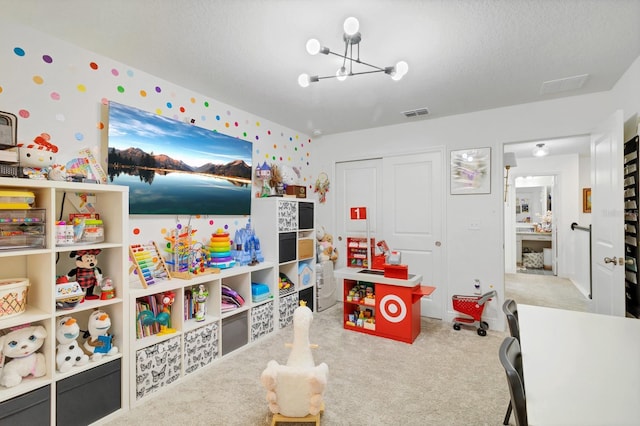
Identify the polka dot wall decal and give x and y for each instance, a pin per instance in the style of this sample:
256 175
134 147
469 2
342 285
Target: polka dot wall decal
182 109
136 231
218 117
206 104
47 59
228 112
235 124
93 65
295 148
120 89
179 226
193 100
203 118
211 221
101 125
143 93
244 134
60 117
1 89
55 96
79 136
257 137
38 79
275 146
226 124
158 111
19 51
257 124
269 132
115 72
169 105
104 101
158 89
81 88
24 113
290 138
130 73
164 231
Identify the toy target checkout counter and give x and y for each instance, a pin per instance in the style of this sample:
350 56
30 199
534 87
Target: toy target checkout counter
383 302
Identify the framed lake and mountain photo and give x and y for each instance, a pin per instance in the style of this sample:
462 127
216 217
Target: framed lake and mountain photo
471 171
172 167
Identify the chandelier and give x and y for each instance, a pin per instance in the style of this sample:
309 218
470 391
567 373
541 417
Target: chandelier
351 38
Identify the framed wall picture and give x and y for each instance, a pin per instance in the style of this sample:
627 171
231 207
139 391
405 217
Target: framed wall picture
586 200
471 171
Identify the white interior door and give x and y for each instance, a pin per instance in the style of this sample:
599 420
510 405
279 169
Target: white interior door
358 184
404 200
413 213
607 209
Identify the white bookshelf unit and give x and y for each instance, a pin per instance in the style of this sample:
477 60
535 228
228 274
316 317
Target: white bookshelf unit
159 359
288 238
55 397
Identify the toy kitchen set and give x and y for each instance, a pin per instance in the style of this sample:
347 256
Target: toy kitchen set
383 300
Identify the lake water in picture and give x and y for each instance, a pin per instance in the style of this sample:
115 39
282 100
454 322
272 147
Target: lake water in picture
185 193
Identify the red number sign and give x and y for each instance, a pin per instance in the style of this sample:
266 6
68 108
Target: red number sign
358 213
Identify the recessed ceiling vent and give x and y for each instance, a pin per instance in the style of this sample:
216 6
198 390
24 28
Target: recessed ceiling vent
563 84
415 112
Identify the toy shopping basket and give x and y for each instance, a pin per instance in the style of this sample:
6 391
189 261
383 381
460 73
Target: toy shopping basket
471 307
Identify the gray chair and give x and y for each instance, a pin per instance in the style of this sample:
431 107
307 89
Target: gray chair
510 309
511 359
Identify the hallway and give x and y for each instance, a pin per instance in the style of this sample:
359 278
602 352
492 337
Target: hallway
544 290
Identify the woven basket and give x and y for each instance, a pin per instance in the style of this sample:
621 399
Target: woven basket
13 296
533 260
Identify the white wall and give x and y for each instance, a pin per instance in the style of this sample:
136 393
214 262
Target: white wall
491 128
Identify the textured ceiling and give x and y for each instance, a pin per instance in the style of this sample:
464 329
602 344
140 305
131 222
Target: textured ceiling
463 56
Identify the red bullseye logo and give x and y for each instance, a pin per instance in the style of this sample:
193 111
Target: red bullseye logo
393 308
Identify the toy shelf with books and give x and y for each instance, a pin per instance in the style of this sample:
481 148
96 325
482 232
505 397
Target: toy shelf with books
62 293
209 316
288 238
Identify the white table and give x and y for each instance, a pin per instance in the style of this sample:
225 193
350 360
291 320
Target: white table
580 368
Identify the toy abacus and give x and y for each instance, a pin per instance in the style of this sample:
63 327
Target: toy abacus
148 263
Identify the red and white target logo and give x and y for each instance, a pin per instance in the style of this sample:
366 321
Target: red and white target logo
393 308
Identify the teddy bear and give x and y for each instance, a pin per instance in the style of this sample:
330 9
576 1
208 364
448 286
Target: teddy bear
68 351
326 250
98 340
87 273
19 346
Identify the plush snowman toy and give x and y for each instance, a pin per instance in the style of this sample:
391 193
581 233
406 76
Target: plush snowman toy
68 352
98 340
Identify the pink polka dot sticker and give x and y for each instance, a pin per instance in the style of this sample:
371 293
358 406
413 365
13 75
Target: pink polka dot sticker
55 96
24 113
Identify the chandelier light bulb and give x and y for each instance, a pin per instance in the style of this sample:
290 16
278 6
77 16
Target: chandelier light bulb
303 80
351 26
401 69
341 74
313 46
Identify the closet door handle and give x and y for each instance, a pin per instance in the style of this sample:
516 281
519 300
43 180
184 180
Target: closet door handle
611 260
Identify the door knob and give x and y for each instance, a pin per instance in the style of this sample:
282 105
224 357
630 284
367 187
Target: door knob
611 260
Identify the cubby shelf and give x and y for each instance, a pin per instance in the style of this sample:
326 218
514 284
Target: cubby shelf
196 344
45 400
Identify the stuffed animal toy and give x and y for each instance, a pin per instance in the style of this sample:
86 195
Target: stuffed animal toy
98 340
36 157
19 346
296 389
326 250
57 172
289 175
87 273
68 352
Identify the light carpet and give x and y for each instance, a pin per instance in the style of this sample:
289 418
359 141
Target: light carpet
445 377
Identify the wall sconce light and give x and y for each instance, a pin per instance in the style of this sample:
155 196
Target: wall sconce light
351 38
541 150
509 159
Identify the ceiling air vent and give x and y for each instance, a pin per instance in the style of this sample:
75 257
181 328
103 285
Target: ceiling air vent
415 112
563 84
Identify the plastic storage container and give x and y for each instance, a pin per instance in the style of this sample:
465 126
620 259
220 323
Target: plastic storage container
20 229
13 296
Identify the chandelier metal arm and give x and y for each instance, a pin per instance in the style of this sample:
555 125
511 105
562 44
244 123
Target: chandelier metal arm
358 61
355 73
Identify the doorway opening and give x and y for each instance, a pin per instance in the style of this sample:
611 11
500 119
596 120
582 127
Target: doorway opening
541 202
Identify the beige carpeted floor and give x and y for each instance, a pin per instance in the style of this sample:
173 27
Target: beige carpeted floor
445 377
